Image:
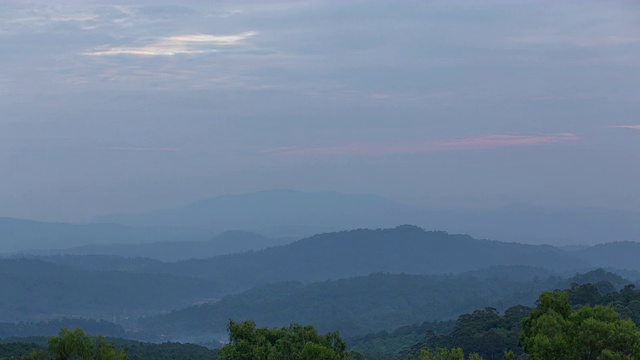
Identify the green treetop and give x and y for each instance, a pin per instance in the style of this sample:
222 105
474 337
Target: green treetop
554 331
76 345
246 342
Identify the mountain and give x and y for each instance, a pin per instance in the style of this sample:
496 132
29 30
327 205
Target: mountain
288 213
35 290
621 255
17 234
279 213
98 285
353 306
561 226
226 243
358 305
404 249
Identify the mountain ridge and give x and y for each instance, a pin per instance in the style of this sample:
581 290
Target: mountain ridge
292 213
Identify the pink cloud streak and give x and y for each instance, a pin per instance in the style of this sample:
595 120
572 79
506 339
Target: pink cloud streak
636 127
472 143
136 148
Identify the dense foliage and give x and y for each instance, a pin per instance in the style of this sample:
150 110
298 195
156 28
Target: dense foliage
490 333
446 354
166 351
355 306
135 350
247 342
577 323
77 345
484 332
554 331
386 345
16 350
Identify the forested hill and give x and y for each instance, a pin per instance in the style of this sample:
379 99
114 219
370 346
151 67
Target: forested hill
33 290
18 235
405 249
228 242
353 306
623 255
370 303
289 213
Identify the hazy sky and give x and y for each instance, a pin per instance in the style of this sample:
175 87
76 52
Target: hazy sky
110 107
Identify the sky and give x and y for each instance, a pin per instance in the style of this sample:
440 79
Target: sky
111 107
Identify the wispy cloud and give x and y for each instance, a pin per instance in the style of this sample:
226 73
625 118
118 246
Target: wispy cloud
177 44
137 148
471 143
586 42
635 127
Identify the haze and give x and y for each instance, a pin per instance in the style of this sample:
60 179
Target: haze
279 179
122 108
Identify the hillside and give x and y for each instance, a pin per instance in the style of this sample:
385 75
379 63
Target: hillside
404 249
289 213
34 290
225 243
279 213
19 235
359 305
622 255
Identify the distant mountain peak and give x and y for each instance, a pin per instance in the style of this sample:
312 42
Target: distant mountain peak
406 228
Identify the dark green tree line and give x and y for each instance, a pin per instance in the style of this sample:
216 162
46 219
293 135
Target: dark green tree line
248 342
77 345
554 330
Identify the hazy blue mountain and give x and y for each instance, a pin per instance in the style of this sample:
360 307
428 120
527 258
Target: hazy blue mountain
352 306
534 224
279 213
34 290
52 327
404 249
622 255
102 263
17 235
407 249
513 273
288 213
226 243
364 304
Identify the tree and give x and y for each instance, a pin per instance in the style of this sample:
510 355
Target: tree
554 331
76 345
446 354
246 341
484 332
442 354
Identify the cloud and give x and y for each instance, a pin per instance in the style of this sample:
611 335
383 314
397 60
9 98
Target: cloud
495 141
585 42
178 44
136 148
471 143
635 127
